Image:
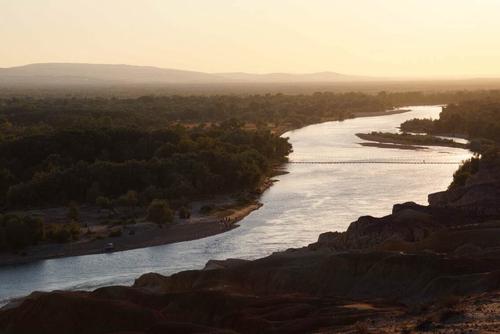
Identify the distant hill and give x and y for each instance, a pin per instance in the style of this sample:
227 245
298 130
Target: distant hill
72 73
94 74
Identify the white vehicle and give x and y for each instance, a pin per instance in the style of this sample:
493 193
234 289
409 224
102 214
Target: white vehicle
109 247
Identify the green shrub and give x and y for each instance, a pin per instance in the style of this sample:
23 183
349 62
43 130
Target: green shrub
130 199
468 168
159 212
103 202
18 232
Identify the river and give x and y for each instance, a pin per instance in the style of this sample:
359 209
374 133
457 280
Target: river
307 201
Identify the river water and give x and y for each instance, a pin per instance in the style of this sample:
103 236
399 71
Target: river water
309 200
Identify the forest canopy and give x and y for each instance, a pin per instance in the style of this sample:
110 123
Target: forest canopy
59 149
80 165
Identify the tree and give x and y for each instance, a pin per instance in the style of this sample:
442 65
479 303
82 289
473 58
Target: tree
130 199
184 213
103 203
166 150
19 232
73 212
159 212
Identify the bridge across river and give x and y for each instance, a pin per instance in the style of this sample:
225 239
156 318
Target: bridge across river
357 162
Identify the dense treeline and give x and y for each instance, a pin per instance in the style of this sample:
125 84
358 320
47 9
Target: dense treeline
474 119
448 87
436 98
80 165
479 120
157 112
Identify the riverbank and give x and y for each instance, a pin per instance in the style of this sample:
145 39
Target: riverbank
144 234
227 212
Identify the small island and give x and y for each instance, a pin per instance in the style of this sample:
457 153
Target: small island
406 140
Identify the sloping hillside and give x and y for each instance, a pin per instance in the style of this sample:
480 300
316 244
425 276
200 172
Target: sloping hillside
93 74
71 73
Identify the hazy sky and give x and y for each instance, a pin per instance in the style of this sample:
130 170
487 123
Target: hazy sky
370 37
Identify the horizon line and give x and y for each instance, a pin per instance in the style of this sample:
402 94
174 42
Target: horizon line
257 73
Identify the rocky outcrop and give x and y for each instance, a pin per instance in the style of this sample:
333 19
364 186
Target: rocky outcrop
479 196
193 312
480 199
365 275
292 292
76 312
408 223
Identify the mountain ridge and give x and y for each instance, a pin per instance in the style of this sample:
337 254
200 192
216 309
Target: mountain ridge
86 73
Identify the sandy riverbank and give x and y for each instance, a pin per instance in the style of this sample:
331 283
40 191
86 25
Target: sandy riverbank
394 146
145 235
